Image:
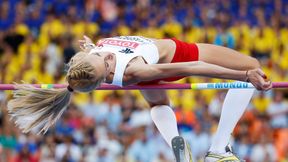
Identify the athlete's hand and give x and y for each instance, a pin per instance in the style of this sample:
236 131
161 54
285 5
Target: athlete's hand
258 78
86 44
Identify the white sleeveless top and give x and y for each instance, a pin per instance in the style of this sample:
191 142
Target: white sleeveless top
125 49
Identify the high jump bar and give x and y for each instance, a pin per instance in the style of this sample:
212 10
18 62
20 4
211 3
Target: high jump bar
166 86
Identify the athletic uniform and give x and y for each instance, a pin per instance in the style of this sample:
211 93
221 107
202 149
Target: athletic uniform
128 47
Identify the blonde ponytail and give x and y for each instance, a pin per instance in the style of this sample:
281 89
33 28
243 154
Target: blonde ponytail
34 108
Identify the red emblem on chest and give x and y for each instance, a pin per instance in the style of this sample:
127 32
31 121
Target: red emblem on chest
121 43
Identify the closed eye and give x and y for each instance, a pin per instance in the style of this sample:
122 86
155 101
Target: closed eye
96 53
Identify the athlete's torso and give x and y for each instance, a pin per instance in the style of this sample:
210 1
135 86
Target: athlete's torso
139 46
130 46
127 48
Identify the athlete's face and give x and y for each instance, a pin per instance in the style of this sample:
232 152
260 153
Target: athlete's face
102 62
88 71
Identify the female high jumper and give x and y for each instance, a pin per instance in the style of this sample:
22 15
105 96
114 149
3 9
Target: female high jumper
128 60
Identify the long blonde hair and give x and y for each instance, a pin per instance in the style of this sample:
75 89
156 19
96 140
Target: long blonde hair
37 109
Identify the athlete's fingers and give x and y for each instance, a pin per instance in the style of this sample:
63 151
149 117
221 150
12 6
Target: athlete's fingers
268 85
256 84
81 44
259 82
265 85
261 72
87 39
258 87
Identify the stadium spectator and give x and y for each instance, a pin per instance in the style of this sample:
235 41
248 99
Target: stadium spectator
37 37
278 110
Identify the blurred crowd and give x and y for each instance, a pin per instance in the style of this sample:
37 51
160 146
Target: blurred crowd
38 36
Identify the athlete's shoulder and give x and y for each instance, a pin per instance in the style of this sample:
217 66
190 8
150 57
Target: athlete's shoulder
132 38
139 39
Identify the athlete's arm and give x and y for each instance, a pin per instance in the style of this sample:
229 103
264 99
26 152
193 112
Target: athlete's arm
199 68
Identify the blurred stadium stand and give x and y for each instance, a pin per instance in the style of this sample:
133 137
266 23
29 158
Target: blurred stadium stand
38 36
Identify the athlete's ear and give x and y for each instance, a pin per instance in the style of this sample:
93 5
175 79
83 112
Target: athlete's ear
109 57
